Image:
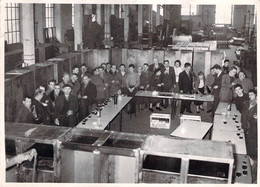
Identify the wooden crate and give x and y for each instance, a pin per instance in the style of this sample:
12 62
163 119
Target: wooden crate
111 157
186 154
43 134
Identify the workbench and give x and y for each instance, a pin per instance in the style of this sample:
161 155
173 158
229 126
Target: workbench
192 129
175 96
25 135
108 113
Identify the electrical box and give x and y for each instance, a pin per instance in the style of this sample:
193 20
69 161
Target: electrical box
160 121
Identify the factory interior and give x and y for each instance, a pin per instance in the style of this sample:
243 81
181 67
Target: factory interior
130 93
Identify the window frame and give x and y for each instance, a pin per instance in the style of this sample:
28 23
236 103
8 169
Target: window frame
12 23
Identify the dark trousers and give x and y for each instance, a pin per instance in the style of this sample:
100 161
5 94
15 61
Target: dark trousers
84 108
216 102
185 104
132 103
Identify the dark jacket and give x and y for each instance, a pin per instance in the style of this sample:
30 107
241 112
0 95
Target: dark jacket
185 82
145 79
91 92
114 82
41 112
24 115
155 80
249 124
217 82
61 110
152 67
169 79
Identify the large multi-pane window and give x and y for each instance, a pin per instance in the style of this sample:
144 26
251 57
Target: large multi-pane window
12 23
72 15
188 9
49 20
49 15
223 13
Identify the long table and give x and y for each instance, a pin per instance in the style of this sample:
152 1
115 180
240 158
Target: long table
222 107
231 130
236 138
175 96
192 129
108 113
227 123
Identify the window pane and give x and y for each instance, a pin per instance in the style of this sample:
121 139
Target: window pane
18 37
13 13
17 25
6 37
223 14
6 26
9 26
14 37
9 13
17 13
13 25
10 38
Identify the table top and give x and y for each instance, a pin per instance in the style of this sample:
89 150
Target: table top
108 113
178 96
222 107
192 129
236 138
231 124
33 132
198 149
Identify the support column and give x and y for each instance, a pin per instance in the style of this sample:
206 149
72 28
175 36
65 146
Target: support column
140 24
117 11
40 23
98 13
63 20
158 16
113 9
126 24
78 26
107 26
28 34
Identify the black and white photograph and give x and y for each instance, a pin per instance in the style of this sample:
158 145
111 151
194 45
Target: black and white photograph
138 92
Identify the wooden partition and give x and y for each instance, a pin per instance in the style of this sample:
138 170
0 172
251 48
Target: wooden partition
204 60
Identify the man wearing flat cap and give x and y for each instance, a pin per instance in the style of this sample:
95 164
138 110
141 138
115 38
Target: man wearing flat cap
66 108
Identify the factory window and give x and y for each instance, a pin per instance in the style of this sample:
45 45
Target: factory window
223 13
49 19
72 12
12 23
187 9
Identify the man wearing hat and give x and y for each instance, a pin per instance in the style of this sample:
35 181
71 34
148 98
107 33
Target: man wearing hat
216 85
66 108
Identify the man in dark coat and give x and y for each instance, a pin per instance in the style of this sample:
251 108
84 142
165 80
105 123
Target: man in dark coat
249 124
66 108
25 114
185 85
168 80
156 65
41 112
216 86
88 96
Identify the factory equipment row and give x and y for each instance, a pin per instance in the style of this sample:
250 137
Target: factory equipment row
116 157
